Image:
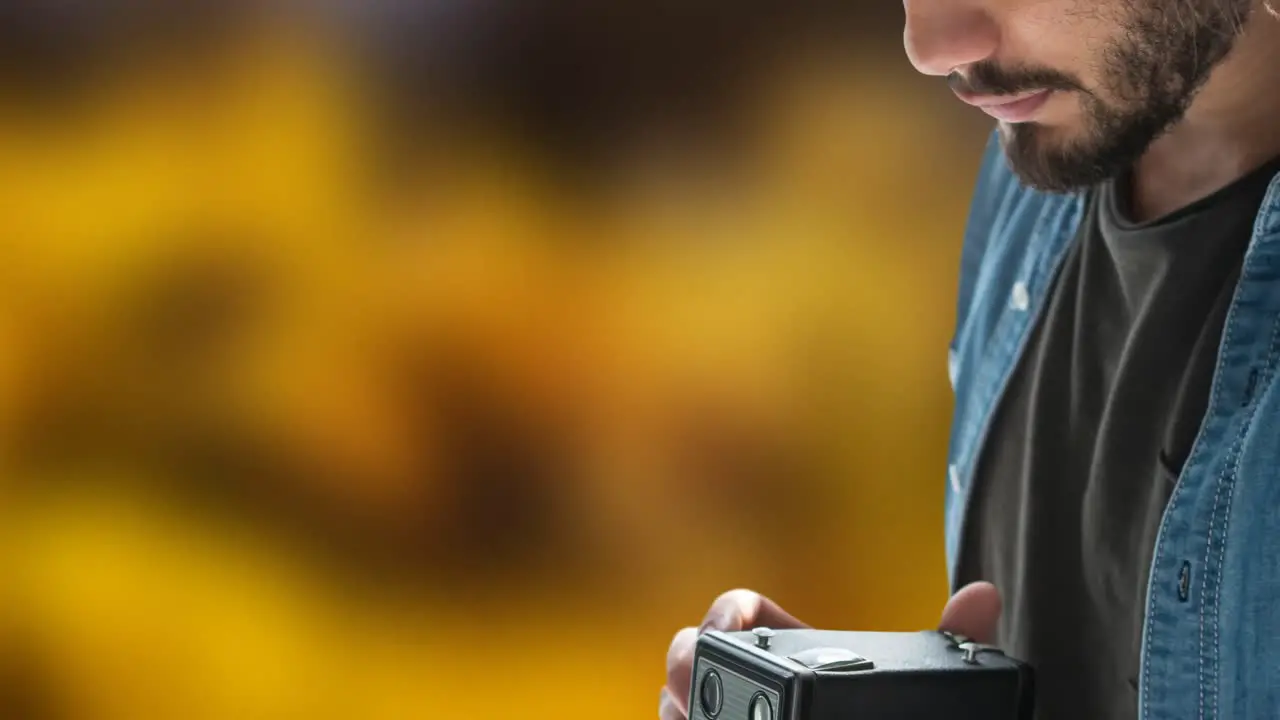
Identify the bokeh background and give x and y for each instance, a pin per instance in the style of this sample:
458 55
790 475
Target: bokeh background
440 359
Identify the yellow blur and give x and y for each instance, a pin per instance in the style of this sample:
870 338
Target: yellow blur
273 445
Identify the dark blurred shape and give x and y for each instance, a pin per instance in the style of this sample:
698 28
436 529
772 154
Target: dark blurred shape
46 46
580 81
584 79
28 690
49 48
190 308
511 475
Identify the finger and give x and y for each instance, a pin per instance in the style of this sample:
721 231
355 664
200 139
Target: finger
743 609
680 667
974 612
667 707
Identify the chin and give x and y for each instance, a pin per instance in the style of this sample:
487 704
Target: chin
1052 161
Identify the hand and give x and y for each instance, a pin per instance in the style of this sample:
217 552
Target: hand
732 611
972 612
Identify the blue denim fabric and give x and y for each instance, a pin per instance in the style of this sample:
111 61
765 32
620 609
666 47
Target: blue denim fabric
1212 631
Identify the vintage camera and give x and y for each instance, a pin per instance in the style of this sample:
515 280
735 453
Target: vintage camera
825 675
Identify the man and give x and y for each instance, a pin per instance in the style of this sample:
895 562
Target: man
1115 450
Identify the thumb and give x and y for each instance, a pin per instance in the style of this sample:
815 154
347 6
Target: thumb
973 612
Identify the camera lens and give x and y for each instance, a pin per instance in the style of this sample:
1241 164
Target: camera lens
711 694
760 708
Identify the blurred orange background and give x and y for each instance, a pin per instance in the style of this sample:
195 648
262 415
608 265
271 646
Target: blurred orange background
442 360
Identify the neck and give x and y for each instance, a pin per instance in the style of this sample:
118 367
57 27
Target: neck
1233 127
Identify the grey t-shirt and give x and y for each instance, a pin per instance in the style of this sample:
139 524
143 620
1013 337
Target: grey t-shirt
1091 435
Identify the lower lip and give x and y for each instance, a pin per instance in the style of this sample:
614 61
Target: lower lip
1018 111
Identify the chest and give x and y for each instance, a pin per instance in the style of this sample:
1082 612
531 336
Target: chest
1211 640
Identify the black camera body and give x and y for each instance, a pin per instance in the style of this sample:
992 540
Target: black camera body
826 675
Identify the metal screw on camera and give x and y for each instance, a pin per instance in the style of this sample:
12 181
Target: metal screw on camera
763 637
972 649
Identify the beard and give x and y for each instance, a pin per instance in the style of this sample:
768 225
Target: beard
1149 75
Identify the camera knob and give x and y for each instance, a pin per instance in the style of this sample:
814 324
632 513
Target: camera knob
972 650
763 637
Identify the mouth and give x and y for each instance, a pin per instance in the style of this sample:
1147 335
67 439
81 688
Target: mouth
1018 108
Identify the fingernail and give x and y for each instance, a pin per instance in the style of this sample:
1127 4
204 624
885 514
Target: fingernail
664 701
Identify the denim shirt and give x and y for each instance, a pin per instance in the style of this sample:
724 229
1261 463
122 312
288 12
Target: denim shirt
1211 641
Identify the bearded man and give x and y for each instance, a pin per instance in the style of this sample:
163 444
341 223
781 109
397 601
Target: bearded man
1113 494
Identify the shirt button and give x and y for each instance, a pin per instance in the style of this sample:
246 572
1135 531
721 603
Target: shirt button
1020 299
953 473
